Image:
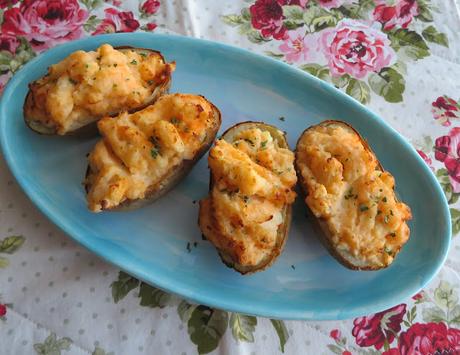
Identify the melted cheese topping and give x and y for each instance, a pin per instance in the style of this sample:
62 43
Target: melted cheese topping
139 150
347 189
89 85
253 178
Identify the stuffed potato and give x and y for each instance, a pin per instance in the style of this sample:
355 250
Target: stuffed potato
144 154
87 86
248 211
351 196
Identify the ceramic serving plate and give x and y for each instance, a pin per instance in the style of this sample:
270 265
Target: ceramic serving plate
151 243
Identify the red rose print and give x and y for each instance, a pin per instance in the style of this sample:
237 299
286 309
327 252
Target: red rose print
444 109
117 21
9 43
151 26
447 150
373 330
2 310
301 3
355 48
393 351
6 3
400 14
335 334
453 335
150 7
346 352
430 338
267 16
45 23
419 295
428 161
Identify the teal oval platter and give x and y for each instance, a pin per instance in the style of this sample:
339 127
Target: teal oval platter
151 243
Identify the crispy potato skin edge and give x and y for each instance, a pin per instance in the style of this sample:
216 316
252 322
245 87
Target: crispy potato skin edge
283 231
90 130
320 224
175 175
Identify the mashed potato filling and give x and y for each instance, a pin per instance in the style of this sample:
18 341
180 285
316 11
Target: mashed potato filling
253 178
348 190
139 150
89 85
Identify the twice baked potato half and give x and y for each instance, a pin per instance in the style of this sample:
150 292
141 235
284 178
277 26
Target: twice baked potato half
248 211
87 86
144 154
351 196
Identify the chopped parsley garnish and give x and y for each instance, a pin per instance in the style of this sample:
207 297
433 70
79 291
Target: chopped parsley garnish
263 144
384 199
175 121
154 153
72 81
363 208
86 65
134 62
150 82
249 141
281 118
350 195
388 251
114 86
115 65
392 234
143 54
245 199
378 212
391 212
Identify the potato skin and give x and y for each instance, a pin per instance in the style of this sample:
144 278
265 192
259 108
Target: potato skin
90 130
320 224
174 176
283 230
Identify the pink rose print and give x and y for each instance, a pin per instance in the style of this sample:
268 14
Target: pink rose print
356 49
447 150
117 21
346 352
2 310
373 330
295 46
150 6
116 3
430 338
391 352
9 43
6 3
335 334
331 4
444 109
419 295
45 23
400 14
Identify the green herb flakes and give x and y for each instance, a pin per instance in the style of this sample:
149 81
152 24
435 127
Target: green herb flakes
363 208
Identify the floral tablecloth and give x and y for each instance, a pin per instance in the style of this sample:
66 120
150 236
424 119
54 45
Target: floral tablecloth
400 57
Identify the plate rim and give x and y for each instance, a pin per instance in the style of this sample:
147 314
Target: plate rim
175 287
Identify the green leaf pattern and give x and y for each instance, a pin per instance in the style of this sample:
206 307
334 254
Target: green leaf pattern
314 17
9 245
